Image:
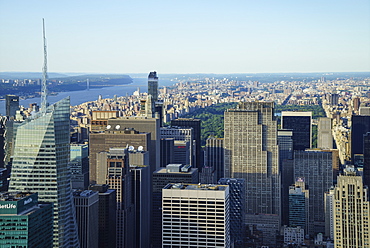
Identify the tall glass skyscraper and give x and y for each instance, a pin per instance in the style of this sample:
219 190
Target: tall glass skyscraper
40 164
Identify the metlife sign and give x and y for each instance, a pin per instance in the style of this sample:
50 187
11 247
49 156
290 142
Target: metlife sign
8 206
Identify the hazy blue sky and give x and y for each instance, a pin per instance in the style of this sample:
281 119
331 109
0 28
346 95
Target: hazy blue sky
186 36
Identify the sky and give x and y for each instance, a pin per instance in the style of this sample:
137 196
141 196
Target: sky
192 36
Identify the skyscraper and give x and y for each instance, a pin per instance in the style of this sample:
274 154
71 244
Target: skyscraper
12 105
40 164
351 211
195 215
367 159
173 173
324 135
196 125
251 152
214 156
153 85
316 167
300 123
24 221
113 136
360 126
237 209
87 212
107 215
181 134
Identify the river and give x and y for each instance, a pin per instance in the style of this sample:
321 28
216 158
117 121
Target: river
81 96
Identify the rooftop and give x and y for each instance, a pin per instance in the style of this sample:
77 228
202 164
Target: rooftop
199 186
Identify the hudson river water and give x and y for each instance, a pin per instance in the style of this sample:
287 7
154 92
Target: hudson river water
81 96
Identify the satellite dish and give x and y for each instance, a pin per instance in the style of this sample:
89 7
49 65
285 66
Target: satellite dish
109 127
131 148
118 127
140 148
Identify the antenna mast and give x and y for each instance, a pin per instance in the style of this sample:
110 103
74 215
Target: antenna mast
44 74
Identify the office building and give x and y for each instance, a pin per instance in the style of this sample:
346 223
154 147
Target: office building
285 142
113 136
119 178
324 133
183 143
40 165
167 151
3 120
334 99
11 105
298 203
173 173
300 123
364 111
181 152
214 157
87 212
138 157
316 167
24 221
351 211
293 235
143 125
153 85
79 162
237 209
107 215
251 152
196 125
360 126
142 190
366 166
202 218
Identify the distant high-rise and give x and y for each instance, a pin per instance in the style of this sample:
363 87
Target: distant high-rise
24 221
12 105
251 152
316 167
87 212
153 85
351 211
300 123
196 125
360 126
40 164
324 135
195 215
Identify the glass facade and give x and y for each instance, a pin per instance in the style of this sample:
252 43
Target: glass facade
40 164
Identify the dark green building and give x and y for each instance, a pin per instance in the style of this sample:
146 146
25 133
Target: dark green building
24 222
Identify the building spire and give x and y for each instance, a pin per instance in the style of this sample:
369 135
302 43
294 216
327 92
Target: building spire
44 74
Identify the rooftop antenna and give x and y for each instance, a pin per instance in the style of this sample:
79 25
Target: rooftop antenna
44 74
